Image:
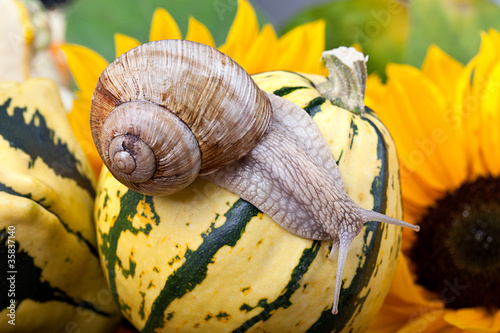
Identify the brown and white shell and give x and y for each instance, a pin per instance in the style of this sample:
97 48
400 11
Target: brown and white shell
169 110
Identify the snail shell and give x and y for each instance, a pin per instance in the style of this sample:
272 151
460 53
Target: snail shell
210 110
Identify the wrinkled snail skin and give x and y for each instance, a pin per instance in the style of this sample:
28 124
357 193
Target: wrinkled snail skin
292 177
283 167
288 174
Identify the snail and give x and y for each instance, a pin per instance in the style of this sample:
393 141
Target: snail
169 111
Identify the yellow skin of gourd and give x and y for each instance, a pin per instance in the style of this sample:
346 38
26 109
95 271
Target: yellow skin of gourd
260 264
65 261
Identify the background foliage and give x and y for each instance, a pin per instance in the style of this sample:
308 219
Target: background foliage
93 22
387 30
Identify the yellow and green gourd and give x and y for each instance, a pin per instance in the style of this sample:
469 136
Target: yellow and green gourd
47 234
205 260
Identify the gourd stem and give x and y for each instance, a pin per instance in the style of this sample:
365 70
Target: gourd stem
346 82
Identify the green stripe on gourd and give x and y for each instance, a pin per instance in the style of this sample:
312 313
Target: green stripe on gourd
283 301
194 270
30 285
314 106
46 205
286 90
42 158
268 279
41 202
38 141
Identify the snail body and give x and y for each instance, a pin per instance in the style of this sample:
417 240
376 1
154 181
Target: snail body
223 127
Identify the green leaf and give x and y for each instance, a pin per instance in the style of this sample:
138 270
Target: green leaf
453 25
93 23
379 27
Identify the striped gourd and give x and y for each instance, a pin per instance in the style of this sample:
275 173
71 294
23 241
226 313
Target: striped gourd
204 260
47 233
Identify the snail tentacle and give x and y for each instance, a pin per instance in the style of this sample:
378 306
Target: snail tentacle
345 240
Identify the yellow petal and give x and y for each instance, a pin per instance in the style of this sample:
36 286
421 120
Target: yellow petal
416 192
197 32
495 39
124 43
442 70
465 107
375 92
314 35
476 96
85 66
427 142
475 320
405 288
487 56
244 30
404 302
489 135
163 26
428 321
304 45
412 107
262 53
79 119
299 50
482 104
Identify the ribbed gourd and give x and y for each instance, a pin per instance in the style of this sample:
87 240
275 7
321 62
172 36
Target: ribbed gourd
203 259
51 279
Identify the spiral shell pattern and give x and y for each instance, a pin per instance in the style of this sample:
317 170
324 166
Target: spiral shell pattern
129 150
223 110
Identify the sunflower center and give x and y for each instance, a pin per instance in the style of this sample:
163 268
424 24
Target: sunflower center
457 252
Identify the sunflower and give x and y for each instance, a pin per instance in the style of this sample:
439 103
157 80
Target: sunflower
445 121
298 50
